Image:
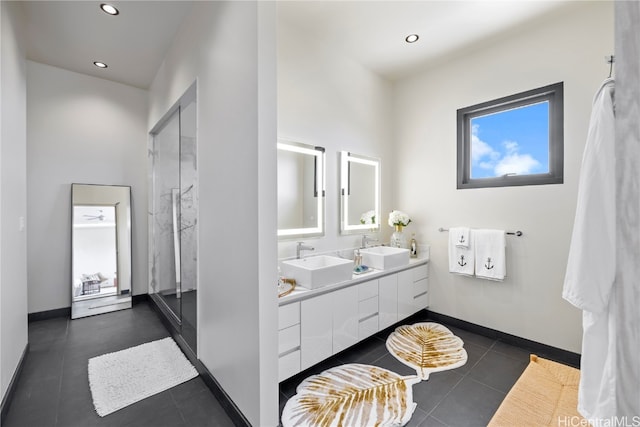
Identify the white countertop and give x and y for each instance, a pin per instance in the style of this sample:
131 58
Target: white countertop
301 293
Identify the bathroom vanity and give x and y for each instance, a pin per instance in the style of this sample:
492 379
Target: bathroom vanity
315 324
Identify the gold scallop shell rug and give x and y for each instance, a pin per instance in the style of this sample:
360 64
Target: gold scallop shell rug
363 395
427 347
352 395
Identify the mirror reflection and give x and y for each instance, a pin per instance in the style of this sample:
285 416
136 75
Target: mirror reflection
360 192
101 249
301 171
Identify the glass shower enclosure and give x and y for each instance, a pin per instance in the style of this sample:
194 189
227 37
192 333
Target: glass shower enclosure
173 208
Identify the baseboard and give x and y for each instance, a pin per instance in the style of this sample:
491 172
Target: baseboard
8 397
49 314
557 354
223 398
141 298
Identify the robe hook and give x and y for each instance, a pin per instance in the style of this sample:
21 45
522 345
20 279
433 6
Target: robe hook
610 60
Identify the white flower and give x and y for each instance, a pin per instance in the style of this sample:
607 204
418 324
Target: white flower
368 217
398 218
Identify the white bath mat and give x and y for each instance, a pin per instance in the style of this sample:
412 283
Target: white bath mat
128 376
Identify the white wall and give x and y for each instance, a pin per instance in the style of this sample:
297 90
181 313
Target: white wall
569 46
625 292
13 189
229 47
328 99
81 130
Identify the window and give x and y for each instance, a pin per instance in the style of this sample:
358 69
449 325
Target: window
516 140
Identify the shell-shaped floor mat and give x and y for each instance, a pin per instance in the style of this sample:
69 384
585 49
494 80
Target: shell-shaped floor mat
427 347
352 395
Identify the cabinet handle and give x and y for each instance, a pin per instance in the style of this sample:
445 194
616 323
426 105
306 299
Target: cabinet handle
419 295
368 317
289 351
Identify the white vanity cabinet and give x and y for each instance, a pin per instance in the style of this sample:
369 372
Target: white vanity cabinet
329 324
288 340
345 318
319 326
368 309
388 300
413 289
316 331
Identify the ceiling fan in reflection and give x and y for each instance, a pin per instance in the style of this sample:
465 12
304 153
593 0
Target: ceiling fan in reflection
99 217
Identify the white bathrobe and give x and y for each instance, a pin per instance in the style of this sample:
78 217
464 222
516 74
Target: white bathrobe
591 266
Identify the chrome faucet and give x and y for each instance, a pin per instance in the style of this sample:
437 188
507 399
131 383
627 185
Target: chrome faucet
366 239
302 247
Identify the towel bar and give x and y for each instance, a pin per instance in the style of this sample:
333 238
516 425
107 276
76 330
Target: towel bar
511 233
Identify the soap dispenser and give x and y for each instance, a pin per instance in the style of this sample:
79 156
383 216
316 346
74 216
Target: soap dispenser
413 247
357 259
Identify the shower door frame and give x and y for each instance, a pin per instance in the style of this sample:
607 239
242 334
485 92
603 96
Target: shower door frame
174 318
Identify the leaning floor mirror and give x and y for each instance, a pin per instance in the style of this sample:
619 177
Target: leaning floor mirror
100 249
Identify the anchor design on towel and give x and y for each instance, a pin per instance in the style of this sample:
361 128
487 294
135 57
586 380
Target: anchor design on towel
461 239
462 263
488 265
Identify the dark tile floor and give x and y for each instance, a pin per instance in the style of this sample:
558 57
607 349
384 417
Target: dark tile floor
465 396
53 389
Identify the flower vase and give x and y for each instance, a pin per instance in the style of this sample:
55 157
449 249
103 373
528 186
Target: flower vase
398 239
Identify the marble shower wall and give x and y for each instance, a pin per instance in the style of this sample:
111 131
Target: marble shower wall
164 157
173 160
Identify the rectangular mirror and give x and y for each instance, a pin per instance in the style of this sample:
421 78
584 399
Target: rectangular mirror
301 183
359 193
100 249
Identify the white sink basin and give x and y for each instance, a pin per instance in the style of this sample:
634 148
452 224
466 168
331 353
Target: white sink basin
384 257
318 271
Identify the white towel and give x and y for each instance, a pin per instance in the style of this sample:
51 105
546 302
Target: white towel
490 254
461 259
460 236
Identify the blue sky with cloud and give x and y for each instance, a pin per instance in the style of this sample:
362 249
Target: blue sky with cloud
511 142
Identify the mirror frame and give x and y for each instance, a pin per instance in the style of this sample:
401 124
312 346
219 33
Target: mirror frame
319 188
124 266
345 174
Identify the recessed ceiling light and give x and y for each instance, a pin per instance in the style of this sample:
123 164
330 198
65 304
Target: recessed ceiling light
107 8
412 38
99 64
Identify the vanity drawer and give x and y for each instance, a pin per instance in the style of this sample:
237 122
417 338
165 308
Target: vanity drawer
288 339
288 365
420 272
367 290
367 308
288 315
367 327
421 301
420 287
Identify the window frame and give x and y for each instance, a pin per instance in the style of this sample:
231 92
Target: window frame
554 95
